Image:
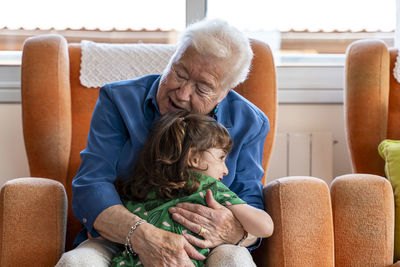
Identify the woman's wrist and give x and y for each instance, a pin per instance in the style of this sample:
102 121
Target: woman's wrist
249 241
114 223
243 239
128 239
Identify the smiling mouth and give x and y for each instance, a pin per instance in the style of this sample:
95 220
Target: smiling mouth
173 104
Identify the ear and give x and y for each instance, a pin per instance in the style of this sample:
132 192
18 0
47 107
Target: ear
193 158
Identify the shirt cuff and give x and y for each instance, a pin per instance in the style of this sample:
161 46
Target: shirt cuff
256 245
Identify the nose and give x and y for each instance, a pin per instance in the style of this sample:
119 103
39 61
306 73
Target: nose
184 91
226 171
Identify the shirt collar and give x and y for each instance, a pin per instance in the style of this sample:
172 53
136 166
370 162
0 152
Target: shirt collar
223 114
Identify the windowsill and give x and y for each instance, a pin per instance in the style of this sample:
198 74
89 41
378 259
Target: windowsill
301 79
319 60
10 58
281 59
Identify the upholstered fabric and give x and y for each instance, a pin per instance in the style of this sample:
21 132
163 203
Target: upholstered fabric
393 129
363 214
260 89
46 112
300 208
33 216
46 101
372 97
372 100
366 103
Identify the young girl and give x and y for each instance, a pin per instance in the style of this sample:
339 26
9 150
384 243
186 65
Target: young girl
184 157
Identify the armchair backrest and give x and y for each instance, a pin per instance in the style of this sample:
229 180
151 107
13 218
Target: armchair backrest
56 108
372 101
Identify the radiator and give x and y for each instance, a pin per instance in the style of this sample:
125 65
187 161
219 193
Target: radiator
302 154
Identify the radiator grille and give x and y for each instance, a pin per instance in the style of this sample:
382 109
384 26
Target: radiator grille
302 154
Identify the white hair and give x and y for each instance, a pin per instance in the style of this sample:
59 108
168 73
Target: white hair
217 38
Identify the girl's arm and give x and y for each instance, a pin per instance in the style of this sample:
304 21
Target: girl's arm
255 221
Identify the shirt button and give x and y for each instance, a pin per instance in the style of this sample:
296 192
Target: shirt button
84 220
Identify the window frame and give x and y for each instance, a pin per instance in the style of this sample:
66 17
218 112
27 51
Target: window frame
301 79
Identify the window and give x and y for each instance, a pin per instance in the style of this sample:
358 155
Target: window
308 37
289 26
155 21
309 26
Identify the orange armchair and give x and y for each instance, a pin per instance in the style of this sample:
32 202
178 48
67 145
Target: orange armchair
56 112
372 100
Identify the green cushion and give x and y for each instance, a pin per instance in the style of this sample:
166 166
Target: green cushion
390 152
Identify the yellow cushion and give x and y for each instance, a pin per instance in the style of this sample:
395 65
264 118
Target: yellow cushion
390 152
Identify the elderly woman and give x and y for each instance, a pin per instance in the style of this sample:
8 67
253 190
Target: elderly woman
211 58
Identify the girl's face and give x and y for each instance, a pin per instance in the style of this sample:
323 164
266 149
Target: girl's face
211 162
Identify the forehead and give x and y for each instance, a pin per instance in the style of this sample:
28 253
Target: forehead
189 54
201 67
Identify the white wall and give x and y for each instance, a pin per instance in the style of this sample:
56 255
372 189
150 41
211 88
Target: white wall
291 118
13 160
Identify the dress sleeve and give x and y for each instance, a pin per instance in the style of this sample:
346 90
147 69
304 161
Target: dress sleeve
225 196
93 186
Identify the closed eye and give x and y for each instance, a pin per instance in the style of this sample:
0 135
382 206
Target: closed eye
180 76
203 90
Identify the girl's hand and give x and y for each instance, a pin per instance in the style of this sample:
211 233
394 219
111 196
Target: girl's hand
219 224
157 247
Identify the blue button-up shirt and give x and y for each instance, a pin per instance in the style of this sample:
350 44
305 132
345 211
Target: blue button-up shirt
123 116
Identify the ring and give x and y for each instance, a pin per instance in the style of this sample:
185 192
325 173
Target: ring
202 230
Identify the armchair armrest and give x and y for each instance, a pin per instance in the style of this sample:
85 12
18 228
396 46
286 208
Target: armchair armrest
33 214
300 208
363 216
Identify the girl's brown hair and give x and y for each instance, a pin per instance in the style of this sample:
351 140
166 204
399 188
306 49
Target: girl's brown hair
163 161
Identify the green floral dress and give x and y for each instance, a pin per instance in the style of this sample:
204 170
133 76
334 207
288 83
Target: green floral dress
155 211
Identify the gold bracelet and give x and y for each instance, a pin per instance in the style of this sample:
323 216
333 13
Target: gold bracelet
128 244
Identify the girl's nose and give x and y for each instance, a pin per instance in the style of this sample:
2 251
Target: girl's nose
226 171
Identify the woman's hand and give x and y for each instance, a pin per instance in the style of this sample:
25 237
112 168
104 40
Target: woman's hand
219 224
157 247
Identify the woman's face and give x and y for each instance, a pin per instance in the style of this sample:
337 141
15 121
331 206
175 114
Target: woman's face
212 163
192 82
